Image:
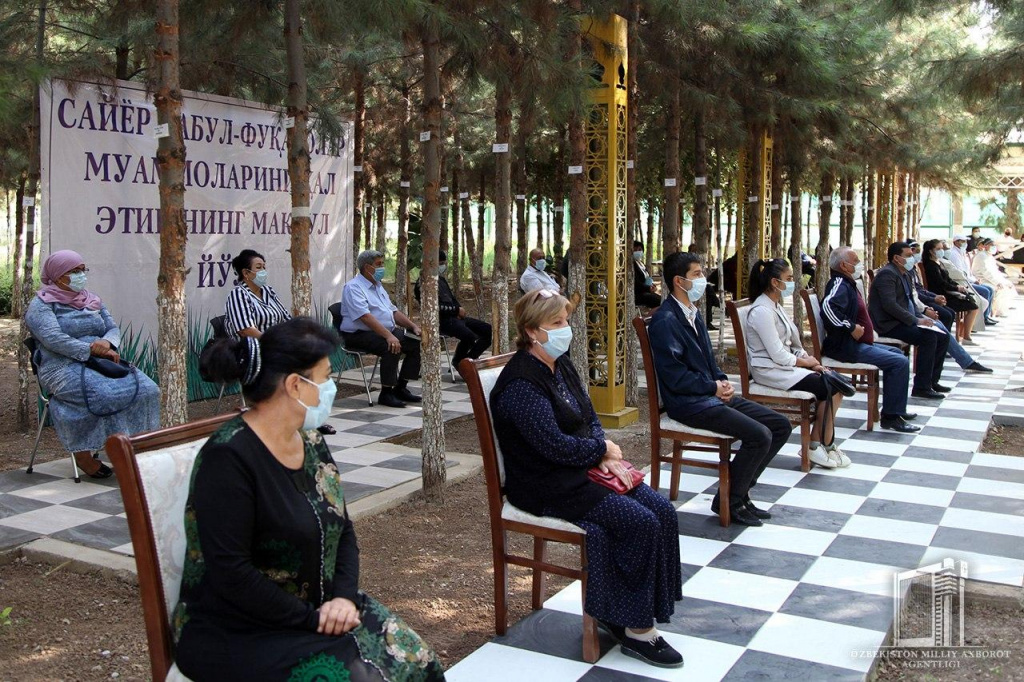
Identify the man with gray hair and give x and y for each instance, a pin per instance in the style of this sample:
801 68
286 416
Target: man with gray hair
850 335
371 323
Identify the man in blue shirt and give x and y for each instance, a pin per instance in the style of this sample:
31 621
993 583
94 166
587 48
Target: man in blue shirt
371 323
697 393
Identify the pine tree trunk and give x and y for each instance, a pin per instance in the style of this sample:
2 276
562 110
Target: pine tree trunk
405 159
359 137
475 269
455 257
701 216
558 210
502 218
481 219
540 223
775 247
868 217
843 209
433 469
649 241
298 159
796 229
367 220
901 206
524 129
824 228
381 237
720 248
17 309
1012 211
443 242
751 218
170 301
670 234
576 286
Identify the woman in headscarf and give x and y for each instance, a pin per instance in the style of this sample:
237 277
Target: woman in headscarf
71 326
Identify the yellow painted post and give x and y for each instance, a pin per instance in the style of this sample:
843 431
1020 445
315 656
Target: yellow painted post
606 248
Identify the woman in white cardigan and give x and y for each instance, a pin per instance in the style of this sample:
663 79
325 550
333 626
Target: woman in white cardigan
986 269
778 360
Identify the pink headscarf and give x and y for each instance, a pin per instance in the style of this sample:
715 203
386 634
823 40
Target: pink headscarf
56 266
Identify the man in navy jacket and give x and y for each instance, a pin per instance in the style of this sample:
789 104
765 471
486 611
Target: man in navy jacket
850 336
697 393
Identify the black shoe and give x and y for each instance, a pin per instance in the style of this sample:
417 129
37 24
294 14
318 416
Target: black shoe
977 367
716 504
404 394
656 652
939 388
711 327
327 429
759 513
927 394
908 416
896 423
742 515
388 398
992 322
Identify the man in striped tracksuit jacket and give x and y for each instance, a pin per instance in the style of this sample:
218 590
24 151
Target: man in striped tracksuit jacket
849 337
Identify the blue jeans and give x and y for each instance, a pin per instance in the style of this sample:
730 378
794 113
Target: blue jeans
986 292
955 350
895 368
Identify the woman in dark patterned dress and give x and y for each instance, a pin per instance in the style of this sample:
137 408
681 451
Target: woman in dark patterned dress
270 586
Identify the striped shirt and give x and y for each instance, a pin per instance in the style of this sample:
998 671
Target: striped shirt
244 309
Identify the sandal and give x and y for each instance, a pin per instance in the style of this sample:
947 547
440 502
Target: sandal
104 471
86 463
326 429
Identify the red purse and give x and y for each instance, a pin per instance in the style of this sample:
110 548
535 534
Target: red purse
610 480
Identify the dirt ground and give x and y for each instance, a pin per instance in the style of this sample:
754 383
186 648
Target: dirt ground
1004 440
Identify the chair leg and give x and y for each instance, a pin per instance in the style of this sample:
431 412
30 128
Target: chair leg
220 395
74 465
366 384
655 461
872 401
805 437
677 451
500 590
39 433
724 487
591 642
540 553
447 354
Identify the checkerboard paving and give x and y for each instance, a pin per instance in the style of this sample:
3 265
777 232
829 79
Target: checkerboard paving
800 596
49 503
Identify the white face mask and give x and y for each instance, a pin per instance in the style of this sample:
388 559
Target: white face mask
558 342
696 290
858 270
442 268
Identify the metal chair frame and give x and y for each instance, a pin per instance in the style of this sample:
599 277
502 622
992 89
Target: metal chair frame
33 348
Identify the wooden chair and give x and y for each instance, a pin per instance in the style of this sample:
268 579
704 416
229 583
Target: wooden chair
698 440
860 373
480 376
799 406
154 470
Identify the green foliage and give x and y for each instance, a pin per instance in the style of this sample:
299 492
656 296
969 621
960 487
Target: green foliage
5 617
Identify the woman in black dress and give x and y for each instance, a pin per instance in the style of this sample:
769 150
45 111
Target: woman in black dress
270 585
958 297
550 436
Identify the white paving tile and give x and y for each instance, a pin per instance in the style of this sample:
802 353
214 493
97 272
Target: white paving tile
379 476
569 599
58 492
822 500
818 641
1001 461
985 486
984 567
52 519
930 466
699 551
881 448
983 521
497 663
847 574
949 443
362 457
739 588
787 539
893 530
964 424
899 492
705 660
970 406
860 472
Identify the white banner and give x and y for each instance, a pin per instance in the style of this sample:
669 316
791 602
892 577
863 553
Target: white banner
100 197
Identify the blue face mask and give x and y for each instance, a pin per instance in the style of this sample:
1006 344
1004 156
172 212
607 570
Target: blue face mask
638 255
940 253
541 264
697 287
558 341
318 414
442 268
378 273
76 281
260 278
788 288
908 265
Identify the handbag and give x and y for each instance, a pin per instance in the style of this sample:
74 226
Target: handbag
837 383
610 480
109 368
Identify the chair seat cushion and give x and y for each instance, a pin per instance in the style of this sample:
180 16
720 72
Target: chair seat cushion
763 391
836 364
889 341
174 675
670 424
510 512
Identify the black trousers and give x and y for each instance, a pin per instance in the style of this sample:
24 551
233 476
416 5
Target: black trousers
647 299
372 342
762 433
474 336
931 352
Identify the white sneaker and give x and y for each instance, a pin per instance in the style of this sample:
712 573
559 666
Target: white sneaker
837 456
819 457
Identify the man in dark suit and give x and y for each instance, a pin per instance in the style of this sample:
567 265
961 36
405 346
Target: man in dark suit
894 314
698 394
474 335
644 290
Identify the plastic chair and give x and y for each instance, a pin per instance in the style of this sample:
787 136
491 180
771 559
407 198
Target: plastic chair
33 348
219 332
335 310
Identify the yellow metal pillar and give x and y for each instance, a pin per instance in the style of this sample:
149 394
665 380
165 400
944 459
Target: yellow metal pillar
606 248
754 208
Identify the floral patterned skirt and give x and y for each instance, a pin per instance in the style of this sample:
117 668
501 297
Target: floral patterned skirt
381 649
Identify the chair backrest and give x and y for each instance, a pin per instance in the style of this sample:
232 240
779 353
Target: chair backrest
922 276
654 406
480 376
33 348
153 471
219 329
813 310
335 310
738 312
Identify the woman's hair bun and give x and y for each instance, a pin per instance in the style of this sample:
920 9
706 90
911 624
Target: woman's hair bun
224 360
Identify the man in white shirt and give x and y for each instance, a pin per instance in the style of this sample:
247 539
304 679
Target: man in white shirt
535 277
958 257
